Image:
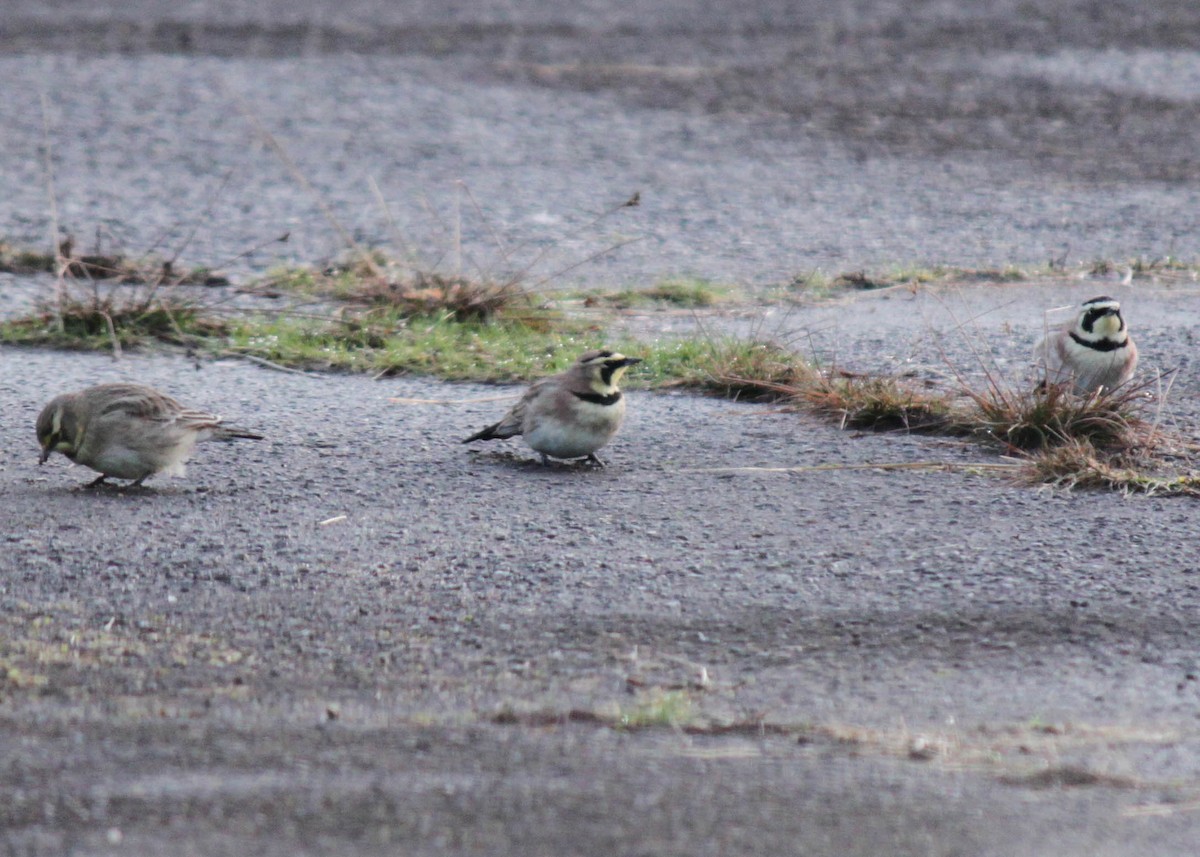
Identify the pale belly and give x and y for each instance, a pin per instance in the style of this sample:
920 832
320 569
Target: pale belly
121 462
592 427
560 441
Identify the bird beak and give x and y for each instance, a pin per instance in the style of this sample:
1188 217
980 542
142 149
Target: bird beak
629 361
45 454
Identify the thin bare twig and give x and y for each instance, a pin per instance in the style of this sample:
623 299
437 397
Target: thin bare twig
201 218
504 254
300 178
594 256
112 335
823 468
282 239
261 361
405 400
409 249
628 203
60 284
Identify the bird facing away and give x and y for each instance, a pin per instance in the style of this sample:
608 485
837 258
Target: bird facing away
127 431
572 414
1094 351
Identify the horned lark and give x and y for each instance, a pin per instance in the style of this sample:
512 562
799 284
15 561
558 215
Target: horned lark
572 414
1094 351
126 431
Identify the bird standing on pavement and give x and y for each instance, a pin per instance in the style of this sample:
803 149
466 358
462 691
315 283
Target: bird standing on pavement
1094 351
127 431
572 414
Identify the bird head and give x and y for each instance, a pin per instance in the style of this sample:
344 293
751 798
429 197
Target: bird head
57 429
603 369
1100 318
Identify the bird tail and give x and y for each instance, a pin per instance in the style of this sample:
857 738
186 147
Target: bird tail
489 433
230 433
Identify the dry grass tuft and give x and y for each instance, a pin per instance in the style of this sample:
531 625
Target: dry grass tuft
861 280
1079 464
1053 415
459 298
755 371
124 317
1103 440
112 268
876 403
16 260
375 282
115 300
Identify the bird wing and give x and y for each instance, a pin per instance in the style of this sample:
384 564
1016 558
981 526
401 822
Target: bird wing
1049 355
514 421
144 403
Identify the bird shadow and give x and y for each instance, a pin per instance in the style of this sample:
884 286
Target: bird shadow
535 465
115 489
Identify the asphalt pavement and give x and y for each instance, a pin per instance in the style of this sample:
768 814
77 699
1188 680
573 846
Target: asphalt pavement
743 636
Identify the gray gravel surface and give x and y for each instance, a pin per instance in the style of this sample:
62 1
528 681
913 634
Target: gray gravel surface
359 636
766 142
207 660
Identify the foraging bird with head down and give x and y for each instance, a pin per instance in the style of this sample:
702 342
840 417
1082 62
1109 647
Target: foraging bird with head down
127 431
572 414
1095 351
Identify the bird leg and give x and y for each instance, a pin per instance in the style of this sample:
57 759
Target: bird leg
96 482
593 460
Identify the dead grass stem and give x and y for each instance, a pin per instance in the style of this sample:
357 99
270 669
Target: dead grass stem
1105 440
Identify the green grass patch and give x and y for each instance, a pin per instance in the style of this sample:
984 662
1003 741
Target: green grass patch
659 708
918 275
1164 267
102 322
680 293
375 281
817 284
301 280
391 343
820 284
445 327
18 260
747 369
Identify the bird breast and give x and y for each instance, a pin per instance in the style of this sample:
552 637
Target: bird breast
575 428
